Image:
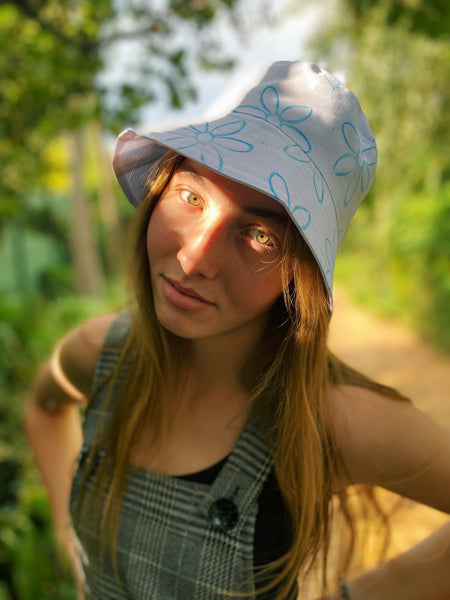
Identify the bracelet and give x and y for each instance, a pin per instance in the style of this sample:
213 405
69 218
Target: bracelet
48 404
61 379
343 590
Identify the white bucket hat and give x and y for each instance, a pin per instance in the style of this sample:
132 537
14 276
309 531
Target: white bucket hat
299 136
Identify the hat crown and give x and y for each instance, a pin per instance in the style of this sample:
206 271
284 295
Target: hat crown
314 109
299 136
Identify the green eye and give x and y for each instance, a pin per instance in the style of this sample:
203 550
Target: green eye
191 198
261 237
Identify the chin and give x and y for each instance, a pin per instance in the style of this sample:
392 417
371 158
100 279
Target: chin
184 330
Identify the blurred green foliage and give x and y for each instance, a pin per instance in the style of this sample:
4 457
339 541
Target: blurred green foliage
406 274
30 568
395 55
50 75
52 61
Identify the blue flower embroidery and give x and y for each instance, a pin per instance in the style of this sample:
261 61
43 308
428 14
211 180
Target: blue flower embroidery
285 119
297 154
335 84
319 186
280 190
209 143
356 161
330 251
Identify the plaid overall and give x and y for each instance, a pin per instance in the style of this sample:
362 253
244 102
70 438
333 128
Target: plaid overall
177 539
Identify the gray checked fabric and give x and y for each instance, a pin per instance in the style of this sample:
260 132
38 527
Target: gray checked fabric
177 540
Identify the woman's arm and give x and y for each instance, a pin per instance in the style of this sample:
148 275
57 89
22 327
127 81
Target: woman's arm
52 420
421 573
54 432
390 443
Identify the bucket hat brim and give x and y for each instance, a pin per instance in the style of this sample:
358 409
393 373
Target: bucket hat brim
300 136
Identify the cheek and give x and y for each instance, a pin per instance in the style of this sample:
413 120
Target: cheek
160 234
257 289
266 278
154 226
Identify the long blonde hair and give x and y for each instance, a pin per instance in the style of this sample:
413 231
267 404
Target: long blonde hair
287 379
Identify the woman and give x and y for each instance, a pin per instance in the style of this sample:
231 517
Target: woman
219 426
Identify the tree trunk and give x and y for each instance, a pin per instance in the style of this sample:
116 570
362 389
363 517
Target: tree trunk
109 213
89 278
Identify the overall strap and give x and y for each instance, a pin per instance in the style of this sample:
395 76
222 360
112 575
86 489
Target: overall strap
229 509
101 406
177 539
243 475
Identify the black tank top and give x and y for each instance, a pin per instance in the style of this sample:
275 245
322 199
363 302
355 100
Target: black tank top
273 528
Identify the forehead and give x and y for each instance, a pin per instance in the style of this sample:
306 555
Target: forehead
245 196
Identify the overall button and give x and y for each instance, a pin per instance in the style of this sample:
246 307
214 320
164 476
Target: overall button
223 514
82 458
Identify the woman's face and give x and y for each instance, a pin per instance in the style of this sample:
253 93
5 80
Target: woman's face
214 248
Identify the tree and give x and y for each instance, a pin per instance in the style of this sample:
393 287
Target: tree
430 18
396 57
51 76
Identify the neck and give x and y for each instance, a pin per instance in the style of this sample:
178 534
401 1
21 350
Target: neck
222 359
214 371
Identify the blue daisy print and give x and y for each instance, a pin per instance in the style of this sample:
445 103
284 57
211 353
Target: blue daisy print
286 120
319 185
280 190
330 252
335 84
297 154
209 143
355 162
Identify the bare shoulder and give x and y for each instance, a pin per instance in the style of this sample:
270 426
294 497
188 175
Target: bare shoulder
67 377
353 408
389 442
78 352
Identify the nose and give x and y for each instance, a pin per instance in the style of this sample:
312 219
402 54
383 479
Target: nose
203 248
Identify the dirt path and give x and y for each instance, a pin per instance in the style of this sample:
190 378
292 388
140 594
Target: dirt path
396 357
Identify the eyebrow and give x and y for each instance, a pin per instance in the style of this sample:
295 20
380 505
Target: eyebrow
189 170
280 218
267 213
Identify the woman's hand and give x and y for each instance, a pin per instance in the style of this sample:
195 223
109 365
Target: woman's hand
73 556
422 572
53 426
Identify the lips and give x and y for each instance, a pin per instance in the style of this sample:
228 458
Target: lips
182 298
187 291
